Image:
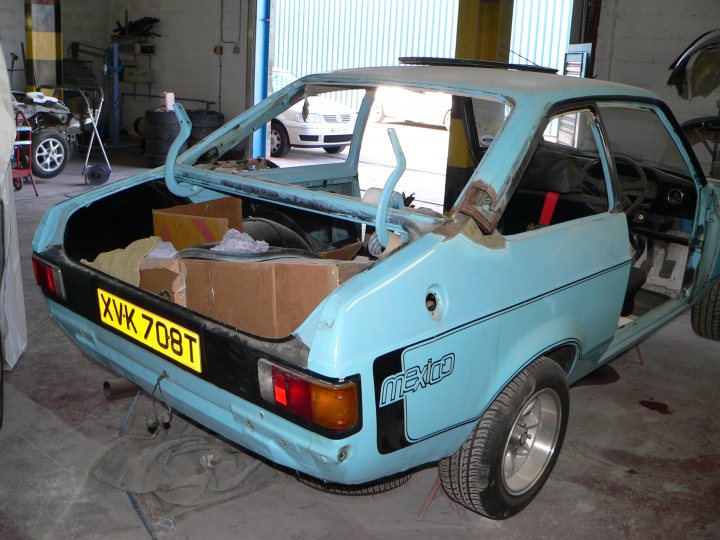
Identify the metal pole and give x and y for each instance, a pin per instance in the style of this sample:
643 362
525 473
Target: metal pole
262 60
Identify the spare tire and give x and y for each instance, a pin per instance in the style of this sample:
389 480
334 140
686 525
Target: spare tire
274 233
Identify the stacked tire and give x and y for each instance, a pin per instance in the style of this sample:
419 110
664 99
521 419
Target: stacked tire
162 127
203 124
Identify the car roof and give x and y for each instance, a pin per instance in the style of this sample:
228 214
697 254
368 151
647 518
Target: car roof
490 81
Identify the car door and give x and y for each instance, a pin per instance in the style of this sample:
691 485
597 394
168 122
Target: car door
678 193
567 257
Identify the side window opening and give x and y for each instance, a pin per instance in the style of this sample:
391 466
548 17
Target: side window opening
438 161
564 180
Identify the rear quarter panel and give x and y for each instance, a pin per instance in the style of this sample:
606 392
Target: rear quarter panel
426 381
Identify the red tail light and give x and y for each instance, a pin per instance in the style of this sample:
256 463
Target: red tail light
48 277
292 392
333 406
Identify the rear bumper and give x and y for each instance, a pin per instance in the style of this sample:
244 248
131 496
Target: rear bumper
251 426
225 395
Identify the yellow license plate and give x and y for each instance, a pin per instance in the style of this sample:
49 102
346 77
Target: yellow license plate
164 336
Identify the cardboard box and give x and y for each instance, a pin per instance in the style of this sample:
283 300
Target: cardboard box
164 277
200 223
268 299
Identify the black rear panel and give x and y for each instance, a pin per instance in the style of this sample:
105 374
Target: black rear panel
117 220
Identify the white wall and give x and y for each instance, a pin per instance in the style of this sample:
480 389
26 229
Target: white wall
639 39
184 62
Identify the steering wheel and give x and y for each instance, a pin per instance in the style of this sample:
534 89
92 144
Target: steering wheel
632 193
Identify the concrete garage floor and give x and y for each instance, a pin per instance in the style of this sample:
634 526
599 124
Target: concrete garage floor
640 458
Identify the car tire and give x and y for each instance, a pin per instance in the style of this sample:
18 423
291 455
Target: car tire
51 153
705 316
203 124
334 149
488 474
156 151
139 126
160 125
279 140
371 488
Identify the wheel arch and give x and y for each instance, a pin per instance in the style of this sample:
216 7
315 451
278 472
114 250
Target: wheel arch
559 339
564 352
42 121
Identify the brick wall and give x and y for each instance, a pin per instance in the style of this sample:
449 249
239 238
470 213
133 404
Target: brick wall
639 39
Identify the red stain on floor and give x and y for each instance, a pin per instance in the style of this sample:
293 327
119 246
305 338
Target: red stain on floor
656 406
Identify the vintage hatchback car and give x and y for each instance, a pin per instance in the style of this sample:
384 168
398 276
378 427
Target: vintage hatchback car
576 222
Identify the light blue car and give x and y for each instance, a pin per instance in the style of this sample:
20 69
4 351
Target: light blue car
573 221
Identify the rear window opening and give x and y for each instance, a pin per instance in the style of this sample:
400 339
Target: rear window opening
320 138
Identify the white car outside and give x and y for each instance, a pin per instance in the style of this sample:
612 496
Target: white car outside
327 124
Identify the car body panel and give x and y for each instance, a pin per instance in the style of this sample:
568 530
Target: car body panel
709 217
696 72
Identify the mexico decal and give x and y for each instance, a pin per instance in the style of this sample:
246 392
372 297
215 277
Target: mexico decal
414 378
412 387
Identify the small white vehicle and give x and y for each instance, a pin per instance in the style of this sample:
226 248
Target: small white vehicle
316 122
